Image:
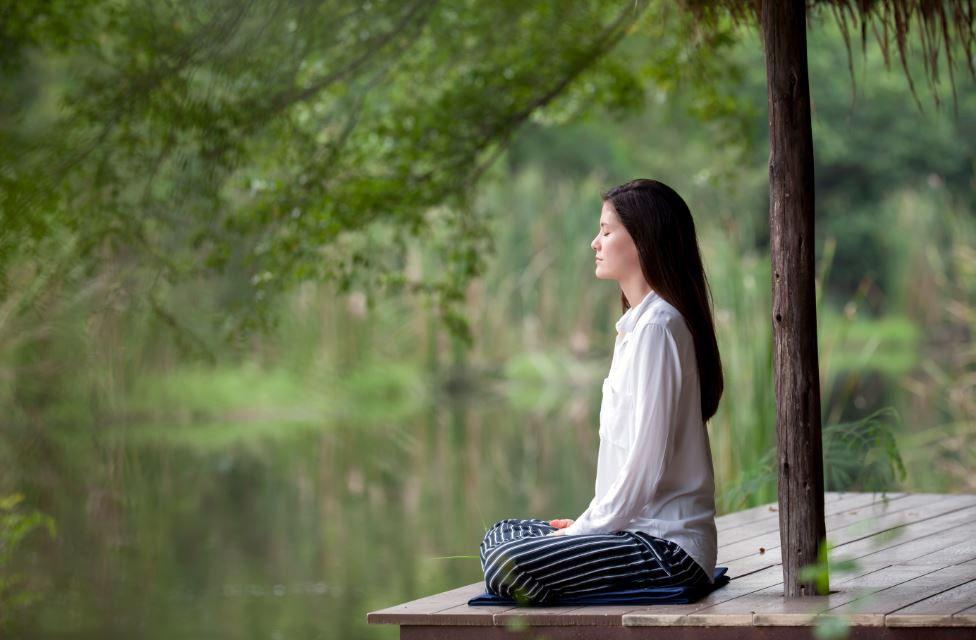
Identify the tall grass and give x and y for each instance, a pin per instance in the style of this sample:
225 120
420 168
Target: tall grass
939 276
543 325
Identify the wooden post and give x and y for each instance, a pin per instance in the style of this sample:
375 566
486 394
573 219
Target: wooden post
791 220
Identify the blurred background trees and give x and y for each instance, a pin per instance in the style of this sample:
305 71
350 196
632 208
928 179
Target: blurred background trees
295 297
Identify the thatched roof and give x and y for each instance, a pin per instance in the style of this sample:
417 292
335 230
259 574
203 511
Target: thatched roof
942 27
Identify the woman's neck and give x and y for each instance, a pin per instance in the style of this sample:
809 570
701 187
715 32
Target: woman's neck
635 290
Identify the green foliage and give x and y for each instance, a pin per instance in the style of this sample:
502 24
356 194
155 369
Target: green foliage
820 572
203 393
269 144
863 455
828 627
889 344
15 526
257 139
516 624
272 144
860 455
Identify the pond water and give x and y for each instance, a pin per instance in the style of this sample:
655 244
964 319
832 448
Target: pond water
296 525
294 530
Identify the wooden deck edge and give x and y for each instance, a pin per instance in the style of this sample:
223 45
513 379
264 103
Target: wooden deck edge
929 620
413 619
691 620
421 632
811 619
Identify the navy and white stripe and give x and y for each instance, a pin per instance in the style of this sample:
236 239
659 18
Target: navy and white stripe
520 561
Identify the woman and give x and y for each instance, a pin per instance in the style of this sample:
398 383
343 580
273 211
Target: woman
652 520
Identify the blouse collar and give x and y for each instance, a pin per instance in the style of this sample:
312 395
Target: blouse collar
628 320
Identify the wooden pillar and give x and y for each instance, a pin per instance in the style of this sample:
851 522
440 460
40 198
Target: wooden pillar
794 318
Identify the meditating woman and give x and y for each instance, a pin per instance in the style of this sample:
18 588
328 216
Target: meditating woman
652 520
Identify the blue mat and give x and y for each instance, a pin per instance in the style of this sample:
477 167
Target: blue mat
647 595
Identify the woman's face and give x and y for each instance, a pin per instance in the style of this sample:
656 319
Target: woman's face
616 253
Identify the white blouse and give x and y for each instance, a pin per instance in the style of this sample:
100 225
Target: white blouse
654 468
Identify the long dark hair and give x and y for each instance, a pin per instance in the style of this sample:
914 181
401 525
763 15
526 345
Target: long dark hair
662 228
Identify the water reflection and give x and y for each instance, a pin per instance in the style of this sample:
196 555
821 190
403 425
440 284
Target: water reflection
294 524
250 531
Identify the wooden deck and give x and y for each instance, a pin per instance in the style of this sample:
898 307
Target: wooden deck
916 578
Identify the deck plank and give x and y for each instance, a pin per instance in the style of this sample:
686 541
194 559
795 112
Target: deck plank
770 600
833 501
763 585
952 528
420 611
966 617
674 615
874 610
847 527
938 610
851 505
863 600
615 615
915 542
870 562
464 615
916 570
956 548
537 616
599 616
770 608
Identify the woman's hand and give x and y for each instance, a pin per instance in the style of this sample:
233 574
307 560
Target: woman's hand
560 525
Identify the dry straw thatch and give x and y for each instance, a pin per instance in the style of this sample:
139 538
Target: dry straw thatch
943 28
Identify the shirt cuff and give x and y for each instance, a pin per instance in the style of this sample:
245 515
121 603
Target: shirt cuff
578 527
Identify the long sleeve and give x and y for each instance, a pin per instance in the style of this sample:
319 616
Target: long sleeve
657 389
